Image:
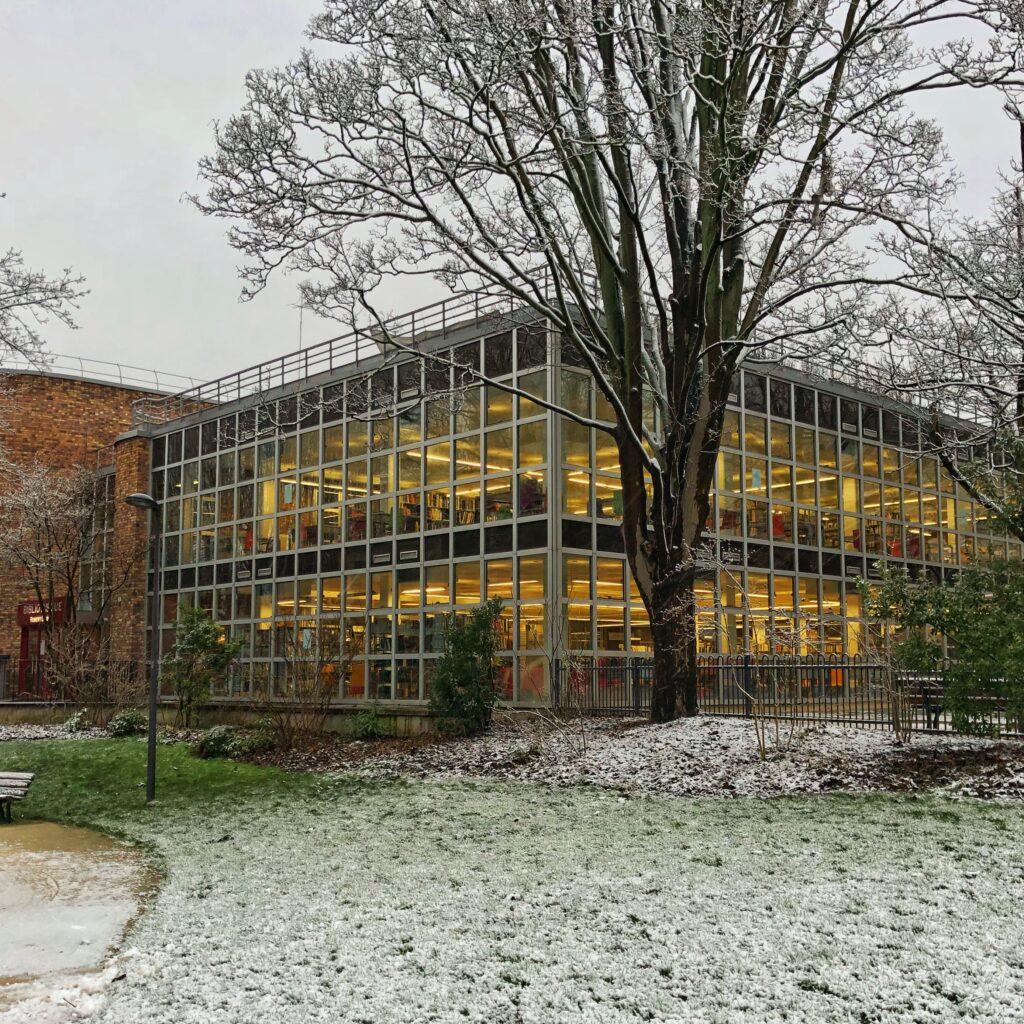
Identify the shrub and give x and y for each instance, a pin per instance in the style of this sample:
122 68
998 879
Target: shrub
201 659
77 722
463 689
256 741
127 723
227 741
368 725
218 741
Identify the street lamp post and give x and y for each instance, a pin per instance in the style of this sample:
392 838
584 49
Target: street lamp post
146 501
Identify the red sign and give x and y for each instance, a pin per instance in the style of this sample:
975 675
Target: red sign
36 613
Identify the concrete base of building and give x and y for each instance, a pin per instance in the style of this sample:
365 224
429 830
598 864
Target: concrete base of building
396 720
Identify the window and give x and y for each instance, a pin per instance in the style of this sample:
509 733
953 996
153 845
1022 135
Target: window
532 444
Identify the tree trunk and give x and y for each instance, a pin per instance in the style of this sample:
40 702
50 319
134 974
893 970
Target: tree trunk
674 632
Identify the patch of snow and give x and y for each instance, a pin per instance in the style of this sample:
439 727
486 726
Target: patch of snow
31 731
703 756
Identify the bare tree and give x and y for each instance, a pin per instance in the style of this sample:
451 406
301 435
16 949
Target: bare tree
669 185
954 326
315 662
80 667
28 300
51 532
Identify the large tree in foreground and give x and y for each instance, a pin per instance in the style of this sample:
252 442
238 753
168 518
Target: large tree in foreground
670 185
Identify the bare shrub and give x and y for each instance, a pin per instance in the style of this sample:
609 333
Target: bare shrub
80 669
314 664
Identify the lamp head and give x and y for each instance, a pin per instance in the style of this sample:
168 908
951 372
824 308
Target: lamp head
140 500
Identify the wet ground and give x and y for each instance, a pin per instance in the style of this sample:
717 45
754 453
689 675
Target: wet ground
66 897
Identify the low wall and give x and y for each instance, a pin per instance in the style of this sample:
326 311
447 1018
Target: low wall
395 721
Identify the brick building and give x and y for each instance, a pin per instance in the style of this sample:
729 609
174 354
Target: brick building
70 415
377 496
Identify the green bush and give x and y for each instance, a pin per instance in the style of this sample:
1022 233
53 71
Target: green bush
218 741
368 725
201 659
463 689
227 741
258 740
127 723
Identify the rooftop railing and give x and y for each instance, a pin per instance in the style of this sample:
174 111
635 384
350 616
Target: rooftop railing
360 345
98 370
418 328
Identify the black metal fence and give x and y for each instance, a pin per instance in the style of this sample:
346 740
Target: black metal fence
31 679
844 690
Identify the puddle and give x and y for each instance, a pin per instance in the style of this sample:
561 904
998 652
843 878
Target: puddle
66 897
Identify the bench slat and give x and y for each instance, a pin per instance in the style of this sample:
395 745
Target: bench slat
12 795
21 787
16 777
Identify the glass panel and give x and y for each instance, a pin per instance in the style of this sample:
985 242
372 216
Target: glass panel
438 463
533 443
498 499
499 578
606 452
532 577
611 628
531 625
467 504
333 443
608 497
435 586
499 451
575 492
467 455
355 518
382 517
437 505
467 583
609 577
533 493
409 513
576 581
580 621
534 383
499 406
380 590
575 443
576 392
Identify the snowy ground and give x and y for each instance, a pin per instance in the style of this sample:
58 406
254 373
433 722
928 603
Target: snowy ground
695 757
382 902
28 731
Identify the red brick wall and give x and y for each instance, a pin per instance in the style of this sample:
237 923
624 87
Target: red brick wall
61 422
127 611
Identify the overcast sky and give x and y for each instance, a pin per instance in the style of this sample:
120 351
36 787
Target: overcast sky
107 107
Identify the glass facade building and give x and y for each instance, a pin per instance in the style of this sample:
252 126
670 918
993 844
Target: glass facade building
381 498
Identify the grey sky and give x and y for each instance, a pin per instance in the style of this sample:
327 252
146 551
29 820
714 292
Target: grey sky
107 107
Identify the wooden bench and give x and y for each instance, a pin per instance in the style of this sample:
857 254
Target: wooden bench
13 786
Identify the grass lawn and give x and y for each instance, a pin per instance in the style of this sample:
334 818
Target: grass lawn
293 898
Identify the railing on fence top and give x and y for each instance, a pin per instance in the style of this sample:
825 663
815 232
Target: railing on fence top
842 690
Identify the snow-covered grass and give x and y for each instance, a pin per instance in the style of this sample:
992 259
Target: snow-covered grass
300 899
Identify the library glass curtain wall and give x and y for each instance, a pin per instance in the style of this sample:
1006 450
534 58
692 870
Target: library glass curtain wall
304 506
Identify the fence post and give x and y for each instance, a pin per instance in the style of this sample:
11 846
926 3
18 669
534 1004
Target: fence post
748 707
634 670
